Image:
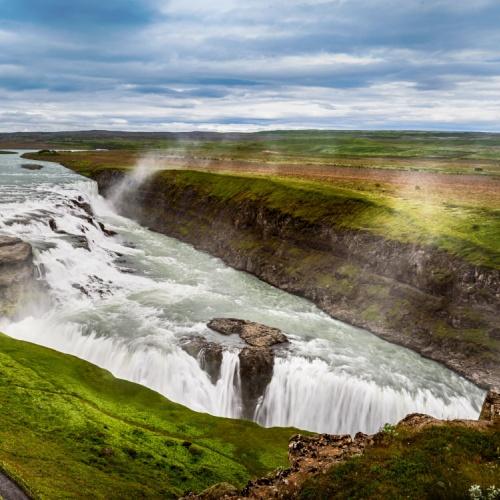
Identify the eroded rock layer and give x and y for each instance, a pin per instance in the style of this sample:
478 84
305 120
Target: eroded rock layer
16 274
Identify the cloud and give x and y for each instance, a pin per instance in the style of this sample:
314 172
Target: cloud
160 64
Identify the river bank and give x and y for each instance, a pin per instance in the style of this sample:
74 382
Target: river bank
415 295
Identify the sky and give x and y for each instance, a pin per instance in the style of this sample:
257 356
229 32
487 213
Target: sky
228 65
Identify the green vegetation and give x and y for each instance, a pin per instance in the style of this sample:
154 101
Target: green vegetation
438 462
450 152
444 227
70 429
7 152
397 218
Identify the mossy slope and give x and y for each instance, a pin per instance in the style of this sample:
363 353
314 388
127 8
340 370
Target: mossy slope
438 462
70 429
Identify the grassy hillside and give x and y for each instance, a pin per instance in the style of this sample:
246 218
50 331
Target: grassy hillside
468 232
459 218
438 462
70 429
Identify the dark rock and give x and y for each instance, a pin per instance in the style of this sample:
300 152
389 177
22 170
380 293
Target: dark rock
256 361
256 371
107 232
47 152
83 205
81 288
208 354
79 241
254 334
53 225
17 274
107 452
31 166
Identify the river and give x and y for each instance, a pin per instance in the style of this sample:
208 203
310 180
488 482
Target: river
126 301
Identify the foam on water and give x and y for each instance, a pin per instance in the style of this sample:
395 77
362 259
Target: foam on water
125 303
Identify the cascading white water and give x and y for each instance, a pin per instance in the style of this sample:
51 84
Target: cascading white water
307 393
125 303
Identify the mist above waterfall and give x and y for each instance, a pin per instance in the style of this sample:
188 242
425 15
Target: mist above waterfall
145 168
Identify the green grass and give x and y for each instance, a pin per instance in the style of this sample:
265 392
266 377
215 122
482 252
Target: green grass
447 227
70 429
440 462
450 152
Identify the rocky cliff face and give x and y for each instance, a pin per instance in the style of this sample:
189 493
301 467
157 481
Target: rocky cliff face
16 274
416 296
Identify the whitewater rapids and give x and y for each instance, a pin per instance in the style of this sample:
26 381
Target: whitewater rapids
125 303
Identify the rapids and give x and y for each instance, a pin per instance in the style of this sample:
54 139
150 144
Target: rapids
124 304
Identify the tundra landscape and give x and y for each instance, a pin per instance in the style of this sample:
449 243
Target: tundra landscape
249 252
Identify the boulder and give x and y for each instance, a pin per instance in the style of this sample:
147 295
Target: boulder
256 371
254 334
105 230
208 354
17 273
31 166
256 361
80 203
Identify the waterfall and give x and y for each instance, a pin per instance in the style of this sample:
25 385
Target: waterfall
308 394
126 302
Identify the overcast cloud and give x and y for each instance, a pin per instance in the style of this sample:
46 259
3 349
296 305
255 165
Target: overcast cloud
249 65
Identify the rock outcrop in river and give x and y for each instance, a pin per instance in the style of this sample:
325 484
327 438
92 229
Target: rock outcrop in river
256 359
17 274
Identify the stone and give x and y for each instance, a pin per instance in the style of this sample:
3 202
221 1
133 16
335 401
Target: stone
256 371
106 231
31 166
17 274
208 354
256 360
254 334
80 203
